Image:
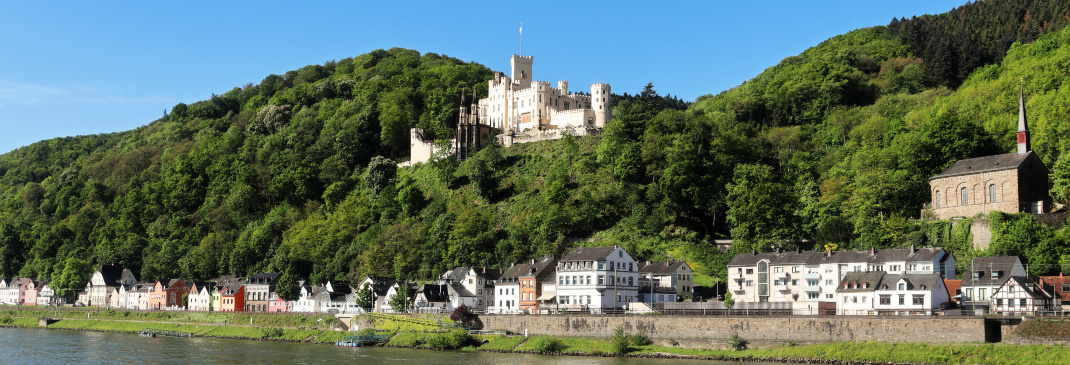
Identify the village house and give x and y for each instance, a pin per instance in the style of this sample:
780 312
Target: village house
987 274
168 296
878 292
1021 295
379 286
806 278
547 301
954 290
104 281
1011 182
473 286
306 298
1060 286
232 297
675 276
200 297
8 293
597 278
47 295
531 283
432 298
258 289
278 305
396 290
508 293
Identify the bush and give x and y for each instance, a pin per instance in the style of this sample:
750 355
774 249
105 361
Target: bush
640 339
366 332
546 345
463 315
6 320
737 343
449 340
271 332
620 344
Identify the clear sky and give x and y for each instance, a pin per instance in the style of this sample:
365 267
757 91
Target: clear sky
83 67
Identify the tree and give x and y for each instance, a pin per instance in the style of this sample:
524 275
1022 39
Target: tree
366 298
71 275
463 315
287 286
400 301
729 302
761 209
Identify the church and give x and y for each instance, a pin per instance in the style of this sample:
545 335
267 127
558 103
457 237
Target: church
1012 182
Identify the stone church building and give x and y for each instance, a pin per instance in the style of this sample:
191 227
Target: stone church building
1011 182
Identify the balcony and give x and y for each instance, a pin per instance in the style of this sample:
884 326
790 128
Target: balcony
812 288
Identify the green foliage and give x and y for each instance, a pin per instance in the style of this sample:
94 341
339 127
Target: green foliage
729 302
737 342
640 339
620 344
542 344
400 301
272 332
366 297
449 340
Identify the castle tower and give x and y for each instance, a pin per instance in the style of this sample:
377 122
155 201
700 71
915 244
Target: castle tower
521 67
1023 127
563 86
600 104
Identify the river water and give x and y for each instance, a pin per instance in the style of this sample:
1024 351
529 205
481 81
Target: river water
34 346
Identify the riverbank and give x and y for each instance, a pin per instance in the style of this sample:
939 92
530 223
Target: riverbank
826 353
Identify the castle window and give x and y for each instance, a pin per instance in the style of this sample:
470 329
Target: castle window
992 193
965 196
938 198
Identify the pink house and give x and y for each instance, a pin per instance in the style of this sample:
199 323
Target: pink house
28 293
278 305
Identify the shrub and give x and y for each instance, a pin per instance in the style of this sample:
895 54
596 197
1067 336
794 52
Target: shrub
546 345
271 332
620 343
366 332
463 314
640 339
6 320
737 343
449 340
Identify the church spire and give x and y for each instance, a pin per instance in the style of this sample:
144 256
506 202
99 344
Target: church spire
1023 128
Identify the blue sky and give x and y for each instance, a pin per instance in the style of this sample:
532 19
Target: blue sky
76 67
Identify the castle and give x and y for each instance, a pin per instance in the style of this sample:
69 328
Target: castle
1011 182
522 111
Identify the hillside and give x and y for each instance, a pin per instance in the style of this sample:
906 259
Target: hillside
297 174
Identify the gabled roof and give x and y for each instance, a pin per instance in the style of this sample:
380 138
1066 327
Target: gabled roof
174 282
434 292
913 281
515 272
112 274
1028 285
264 278
1057 282
489 274
540 269
987 265
589 253
925 254
968 166
872 279
661 267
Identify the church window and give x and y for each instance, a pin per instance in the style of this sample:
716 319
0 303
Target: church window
938 198
992 193
965 196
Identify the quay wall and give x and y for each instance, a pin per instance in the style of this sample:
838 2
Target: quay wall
937 329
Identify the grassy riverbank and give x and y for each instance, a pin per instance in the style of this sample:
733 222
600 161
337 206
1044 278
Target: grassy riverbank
406 336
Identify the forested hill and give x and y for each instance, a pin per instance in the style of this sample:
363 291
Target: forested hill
298 173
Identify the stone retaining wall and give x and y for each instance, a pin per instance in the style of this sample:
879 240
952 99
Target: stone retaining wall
786 328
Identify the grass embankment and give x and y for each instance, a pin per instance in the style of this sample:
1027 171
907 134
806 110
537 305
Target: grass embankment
262 320
1042 329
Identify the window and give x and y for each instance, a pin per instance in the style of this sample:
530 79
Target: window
919 299
795 269
750 271
902 286
1021 302
601 279
886 299
902 299
601 265
778 282
811 282
965 196
812 295
828 282
969 294
992 193
1066 288
1010 302
828 296
778 269
794 281
937 199
999 302
981 294
750 282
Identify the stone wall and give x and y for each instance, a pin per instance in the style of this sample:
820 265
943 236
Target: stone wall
978 200
982 234
786 328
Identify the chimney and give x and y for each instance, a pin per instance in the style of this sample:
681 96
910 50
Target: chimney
872 251
912 248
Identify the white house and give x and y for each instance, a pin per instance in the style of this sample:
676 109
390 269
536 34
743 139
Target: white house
47 295
988 274
806 277
674 275
106 279
1020 295
433 298
856 293
878 292
597 278
507 294
9 291
472 286
200 297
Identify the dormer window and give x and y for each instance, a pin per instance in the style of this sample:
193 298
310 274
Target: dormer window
865 285
978 274
996 274
902 286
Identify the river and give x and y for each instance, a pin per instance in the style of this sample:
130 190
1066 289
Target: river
34 346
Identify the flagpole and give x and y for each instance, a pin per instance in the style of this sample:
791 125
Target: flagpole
521 38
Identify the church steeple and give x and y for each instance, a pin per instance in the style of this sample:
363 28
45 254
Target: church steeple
1023 128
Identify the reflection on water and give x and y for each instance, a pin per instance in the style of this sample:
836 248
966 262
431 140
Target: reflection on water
32 346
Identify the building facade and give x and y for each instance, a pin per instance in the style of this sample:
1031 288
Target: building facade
1012 182
988 274
597 278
